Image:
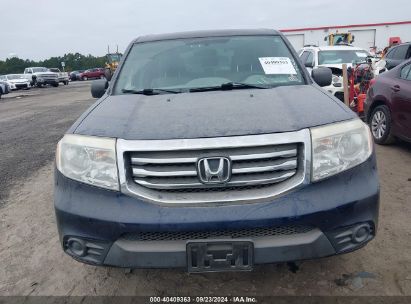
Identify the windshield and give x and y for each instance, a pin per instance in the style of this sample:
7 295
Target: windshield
206 62
341 56
16 76
37 70
114 57
54 70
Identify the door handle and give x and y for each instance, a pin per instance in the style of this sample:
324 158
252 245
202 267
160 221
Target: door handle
396 88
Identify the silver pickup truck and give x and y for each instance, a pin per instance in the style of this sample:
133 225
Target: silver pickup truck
40 76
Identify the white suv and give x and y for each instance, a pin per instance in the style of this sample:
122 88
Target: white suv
332 57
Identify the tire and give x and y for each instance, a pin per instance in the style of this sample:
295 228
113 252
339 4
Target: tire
55 85
381 125
66 82
107 74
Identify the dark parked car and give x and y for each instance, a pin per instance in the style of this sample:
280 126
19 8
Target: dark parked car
92 74
398 54
75 75
214 151
388 105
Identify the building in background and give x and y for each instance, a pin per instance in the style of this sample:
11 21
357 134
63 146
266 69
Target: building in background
366 36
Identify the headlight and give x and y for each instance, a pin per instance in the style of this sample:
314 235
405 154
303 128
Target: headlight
339 147
90 160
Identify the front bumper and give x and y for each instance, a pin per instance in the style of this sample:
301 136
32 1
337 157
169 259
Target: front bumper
334 208
18 86
162 254
47 81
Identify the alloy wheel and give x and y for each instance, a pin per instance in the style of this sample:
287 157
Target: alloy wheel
379 124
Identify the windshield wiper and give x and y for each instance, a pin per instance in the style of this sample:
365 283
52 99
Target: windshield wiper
151 91
229 86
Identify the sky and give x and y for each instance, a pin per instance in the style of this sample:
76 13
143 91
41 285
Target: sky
43 28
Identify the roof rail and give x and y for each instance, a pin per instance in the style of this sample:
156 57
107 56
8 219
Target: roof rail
307 45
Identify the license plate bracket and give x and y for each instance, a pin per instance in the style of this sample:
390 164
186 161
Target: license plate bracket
216 256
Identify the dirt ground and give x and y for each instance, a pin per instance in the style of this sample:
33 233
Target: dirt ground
32 262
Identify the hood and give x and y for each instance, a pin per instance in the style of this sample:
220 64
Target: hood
18 81
336 68
212 114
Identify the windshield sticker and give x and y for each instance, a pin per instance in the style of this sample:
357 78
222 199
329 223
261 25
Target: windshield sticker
277 65
363 55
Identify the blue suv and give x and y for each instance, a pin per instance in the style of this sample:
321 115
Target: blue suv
214 151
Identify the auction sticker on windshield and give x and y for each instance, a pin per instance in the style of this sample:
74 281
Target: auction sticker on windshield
277 65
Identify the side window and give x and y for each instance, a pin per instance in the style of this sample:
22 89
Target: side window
391 53
310 58
401 52
408 56
304 57
405 72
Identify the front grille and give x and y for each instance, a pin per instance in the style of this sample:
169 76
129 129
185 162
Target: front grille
250 167
49 77
173 171
229 233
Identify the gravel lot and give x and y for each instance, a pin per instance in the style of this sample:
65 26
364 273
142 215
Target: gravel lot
32 263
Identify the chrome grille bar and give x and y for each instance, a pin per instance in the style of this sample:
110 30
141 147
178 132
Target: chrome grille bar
146 160
287 165
143 172
286 153
187 183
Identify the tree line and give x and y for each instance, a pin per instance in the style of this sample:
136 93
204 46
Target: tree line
73 62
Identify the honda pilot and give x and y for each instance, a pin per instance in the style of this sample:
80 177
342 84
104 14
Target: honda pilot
214 151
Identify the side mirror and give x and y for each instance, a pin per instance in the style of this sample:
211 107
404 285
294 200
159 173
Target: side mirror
98 88
322 76
309 64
